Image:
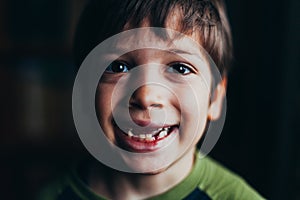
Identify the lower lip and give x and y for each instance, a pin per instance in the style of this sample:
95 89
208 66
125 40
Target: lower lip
133 145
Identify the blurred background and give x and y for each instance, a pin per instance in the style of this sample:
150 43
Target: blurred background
38 138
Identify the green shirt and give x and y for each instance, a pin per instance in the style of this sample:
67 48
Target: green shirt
207 180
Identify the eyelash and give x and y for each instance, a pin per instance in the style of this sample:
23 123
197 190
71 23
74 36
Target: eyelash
111 67
179 68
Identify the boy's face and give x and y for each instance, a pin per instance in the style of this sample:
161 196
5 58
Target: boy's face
155 101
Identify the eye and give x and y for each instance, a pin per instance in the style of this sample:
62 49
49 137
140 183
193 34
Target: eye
180 68
117 67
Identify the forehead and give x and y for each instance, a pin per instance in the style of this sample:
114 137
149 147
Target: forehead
160 39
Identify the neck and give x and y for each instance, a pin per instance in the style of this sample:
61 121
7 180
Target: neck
114 184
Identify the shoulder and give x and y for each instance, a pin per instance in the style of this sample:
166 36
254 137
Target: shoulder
53 189
59 189
68 187
220 183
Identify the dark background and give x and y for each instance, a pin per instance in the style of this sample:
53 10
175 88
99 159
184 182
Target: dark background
38 139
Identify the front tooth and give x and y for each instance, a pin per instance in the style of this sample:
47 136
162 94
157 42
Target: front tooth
148 136
142 136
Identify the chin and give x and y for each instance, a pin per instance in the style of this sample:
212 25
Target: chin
152 163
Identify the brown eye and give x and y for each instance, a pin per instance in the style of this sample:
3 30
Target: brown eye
117 67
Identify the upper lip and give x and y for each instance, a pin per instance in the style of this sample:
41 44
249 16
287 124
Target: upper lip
146 128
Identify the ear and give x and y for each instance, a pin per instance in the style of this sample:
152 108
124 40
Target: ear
218 96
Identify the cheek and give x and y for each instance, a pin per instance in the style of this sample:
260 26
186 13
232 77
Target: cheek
193 99
103 103
194 110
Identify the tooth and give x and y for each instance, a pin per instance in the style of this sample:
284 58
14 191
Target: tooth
148 136
162 134
130 134
165 133
166 128
142 136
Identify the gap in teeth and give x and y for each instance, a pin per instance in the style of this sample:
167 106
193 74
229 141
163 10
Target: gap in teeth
161 132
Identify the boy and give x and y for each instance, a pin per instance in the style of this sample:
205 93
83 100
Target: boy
156 98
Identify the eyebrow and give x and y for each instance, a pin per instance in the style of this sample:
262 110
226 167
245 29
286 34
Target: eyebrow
118 50
180 51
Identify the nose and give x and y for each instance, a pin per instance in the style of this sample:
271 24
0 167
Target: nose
147 97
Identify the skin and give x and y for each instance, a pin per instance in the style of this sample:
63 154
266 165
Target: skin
180 96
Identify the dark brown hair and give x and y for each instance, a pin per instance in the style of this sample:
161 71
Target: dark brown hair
104 18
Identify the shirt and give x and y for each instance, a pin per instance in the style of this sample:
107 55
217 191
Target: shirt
207 180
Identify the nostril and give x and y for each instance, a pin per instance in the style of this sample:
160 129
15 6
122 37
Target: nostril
140 106
135 105
156 105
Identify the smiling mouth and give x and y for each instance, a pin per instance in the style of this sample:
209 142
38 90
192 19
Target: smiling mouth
145 139
154 135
